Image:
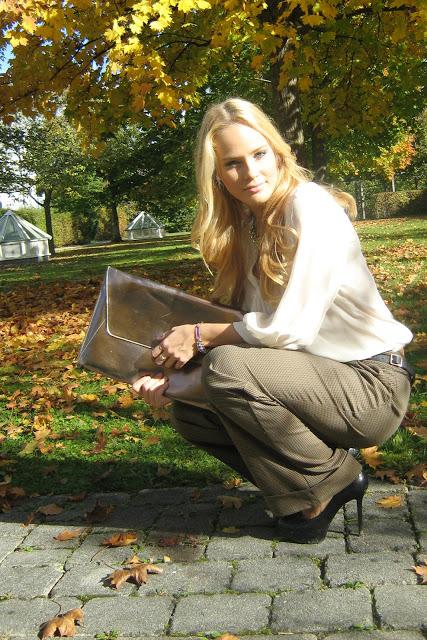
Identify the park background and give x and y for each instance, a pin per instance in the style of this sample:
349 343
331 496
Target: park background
99 108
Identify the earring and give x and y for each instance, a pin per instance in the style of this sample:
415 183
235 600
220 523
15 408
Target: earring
219 182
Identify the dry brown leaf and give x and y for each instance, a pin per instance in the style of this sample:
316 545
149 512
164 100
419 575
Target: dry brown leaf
62 625
418 430
372 456
418 472
99 513
138 574
230 502
134 560
390 474
390 502
421 571
121 539
230 529
150 440
68 535
228 636
163 471
232 483
50 509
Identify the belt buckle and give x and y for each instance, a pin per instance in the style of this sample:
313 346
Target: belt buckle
396 359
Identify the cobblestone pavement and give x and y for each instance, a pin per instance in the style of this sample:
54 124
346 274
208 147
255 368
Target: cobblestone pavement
227 570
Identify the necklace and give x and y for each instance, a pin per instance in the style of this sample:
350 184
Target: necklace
253 230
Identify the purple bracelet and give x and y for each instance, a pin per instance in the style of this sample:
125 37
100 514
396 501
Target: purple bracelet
198 340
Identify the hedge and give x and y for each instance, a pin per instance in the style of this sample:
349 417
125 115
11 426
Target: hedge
399 203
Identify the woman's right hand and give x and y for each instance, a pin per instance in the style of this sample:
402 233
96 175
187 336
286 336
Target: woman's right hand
152 389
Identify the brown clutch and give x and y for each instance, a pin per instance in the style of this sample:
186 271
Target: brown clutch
129 317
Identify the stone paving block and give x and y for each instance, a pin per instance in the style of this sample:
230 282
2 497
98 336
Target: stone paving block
370 569
23 617
276 574
13 529
131 516
225 548
179 552
190 519
36 558
88 581
380 486
161 497
28 582
382 535
93 551
43 537
376 635
326 610
7 546
129 616
332 544
223 612
401 607
418 502
372 510
250 514
198 577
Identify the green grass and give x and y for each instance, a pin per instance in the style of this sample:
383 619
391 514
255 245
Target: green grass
46 308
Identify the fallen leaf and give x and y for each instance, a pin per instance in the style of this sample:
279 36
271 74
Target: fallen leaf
151 440
390 502
121 539
50 509
230 502
418 430
135 559
138 574
230 529
372 456
163 471
390 474
418 472
169 541
167 559
68 535
421 571
228 636
62 625
232 483
99 513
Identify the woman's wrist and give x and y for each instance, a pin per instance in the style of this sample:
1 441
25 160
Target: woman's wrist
200 344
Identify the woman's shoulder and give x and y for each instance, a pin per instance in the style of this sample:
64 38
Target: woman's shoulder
311 190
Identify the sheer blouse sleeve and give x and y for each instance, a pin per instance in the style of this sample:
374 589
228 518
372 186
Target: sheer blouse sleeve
325 234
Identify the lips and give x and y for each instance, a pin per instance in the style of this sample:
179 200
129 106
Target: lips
255 188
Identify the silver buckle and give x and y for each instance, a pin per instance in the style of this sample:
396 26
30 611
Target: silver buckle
396 359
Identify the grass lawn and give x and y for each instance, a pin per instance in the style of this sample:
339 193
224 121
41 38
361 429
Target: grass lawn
65 430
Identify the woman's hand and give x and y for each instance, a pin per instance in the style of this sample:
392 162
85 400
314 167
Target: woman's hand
176 348
152 388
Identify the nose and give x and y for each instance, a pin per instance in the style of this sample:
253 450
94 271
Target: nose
251 169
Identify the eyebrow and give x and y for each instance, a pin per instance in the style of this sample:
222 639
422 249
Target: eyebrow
228 158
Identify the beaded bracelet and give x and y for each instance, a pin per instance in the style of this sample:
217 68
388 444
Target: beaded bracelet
198 340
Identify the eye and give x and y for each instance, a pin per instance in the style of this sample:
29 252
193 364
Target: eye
261 154
231 163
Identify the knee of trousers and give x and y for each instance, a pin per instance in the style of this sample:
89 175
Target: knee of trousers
181 420
222 364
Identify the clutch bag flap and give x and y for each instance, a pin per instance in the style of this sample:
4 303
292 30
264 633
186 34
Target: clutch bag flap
130 315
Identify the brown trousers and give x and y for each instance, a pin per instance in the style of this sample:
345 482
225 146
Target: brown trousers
285 419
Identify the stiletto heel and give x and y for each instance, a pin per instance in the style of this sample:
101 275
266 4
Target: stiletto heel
360 514
296 528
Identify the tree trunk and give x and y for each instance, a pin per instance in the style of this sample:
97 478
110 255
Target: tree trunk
115 228
48 219
319 154
393 184
287 111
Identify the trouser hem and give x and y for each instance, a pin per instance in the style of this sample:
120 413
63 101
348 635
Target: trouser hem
285 504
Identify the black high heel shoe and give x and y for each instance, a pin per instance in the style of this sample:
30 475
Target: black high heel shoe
296 528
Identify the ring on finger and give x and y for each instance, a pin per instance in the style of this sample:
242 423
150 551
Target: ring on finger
161 357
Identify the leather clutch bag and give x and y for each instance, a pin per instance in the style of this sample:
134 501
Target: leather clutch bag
130 315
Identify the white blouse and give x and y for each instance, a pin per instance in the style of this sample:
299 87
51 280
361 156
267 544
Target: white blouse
331 306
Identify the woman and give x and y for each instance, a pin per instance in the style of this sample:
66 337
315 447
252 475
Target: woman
299 380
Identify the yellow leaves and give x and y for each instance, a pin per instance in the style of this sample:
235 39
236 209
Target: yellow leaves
168 98
313 20
372 456
305 83
62 625
189 5
390 502
115 33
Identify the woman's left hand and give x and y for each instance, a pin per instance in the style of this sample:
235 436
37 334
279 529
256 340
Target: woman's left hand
176 348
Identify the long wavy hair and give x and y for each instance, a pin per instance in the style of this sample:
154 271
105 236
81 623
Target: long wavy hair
217 230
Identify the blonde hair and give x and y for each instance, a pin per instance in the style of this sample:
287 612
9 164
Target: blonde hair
217 230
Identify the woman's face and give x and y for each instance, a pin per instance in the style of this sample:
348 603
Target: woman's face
246 165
